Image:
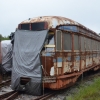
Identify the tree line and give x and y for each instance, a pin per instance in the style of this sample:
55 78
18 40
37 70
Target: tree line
4 37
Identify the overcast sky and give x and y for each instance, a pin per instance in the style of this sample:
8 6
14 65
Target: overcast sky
12 12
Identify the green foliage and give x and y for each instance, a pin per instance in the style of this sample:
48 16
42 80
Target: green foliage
3 37
91 92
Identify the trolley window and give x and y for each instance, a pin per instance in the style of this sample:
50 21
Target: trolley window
38 26
69 28
33 26
87 44
76 42
90 44
93 45
82 43
67 41
98 45
58 40
25 26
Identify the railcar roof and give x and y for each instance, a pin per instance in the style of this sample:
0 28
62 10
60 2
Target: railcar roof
54 21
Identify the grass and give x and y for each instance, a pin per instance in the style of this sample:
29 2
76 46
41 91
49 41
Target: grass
90 92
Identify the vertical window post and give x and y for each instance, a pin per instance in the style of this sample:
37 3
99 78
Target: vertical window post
72 52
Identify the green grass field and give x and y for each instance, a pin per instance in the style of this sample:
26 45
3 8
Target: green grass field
90 92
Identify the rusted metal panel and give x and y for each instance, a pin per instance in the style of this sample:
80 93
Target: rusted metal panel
76 65
48 79
63 81
67 64
47 63
54 21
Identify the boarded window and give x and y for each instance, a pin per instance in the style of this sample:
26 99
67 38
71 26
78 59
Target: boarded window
58 40
95 46
98 45
92 44
67 41
89 44
87 47
82 43
76 42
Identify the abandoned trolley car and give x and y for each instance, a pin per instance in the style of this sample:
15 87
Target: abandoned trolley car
67 50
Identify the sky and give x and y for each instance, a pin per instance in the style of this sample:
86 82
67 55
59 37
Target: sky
12 12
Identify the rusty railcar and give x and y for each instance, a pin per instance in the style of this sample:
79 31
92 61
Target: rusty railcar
70 50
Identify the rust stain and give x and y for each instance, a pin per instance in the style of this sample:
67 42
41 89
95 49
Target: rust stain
54 21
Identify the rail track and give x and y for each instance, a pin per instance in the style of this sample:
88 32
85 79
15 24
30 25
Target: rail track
9 95
13 94
82 79
5 83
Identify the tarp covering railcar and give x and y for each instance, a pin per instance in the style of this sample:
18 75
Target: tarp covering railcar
6 52
26 60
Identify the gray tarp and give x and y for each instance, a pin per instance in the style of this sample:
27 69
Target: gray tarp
6 51
26 60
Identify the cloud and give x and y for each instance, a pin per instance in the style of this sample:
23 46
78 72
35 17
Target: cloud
12 12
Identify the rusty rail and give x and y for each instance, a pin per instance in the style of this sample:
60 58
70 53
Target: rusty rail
5 82
9 95
12 96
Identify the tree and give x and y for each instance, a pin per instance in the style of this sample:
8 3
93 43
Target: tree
3 38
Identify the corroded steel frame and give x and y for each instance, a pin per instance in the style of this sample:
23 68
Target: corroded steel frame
66 79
